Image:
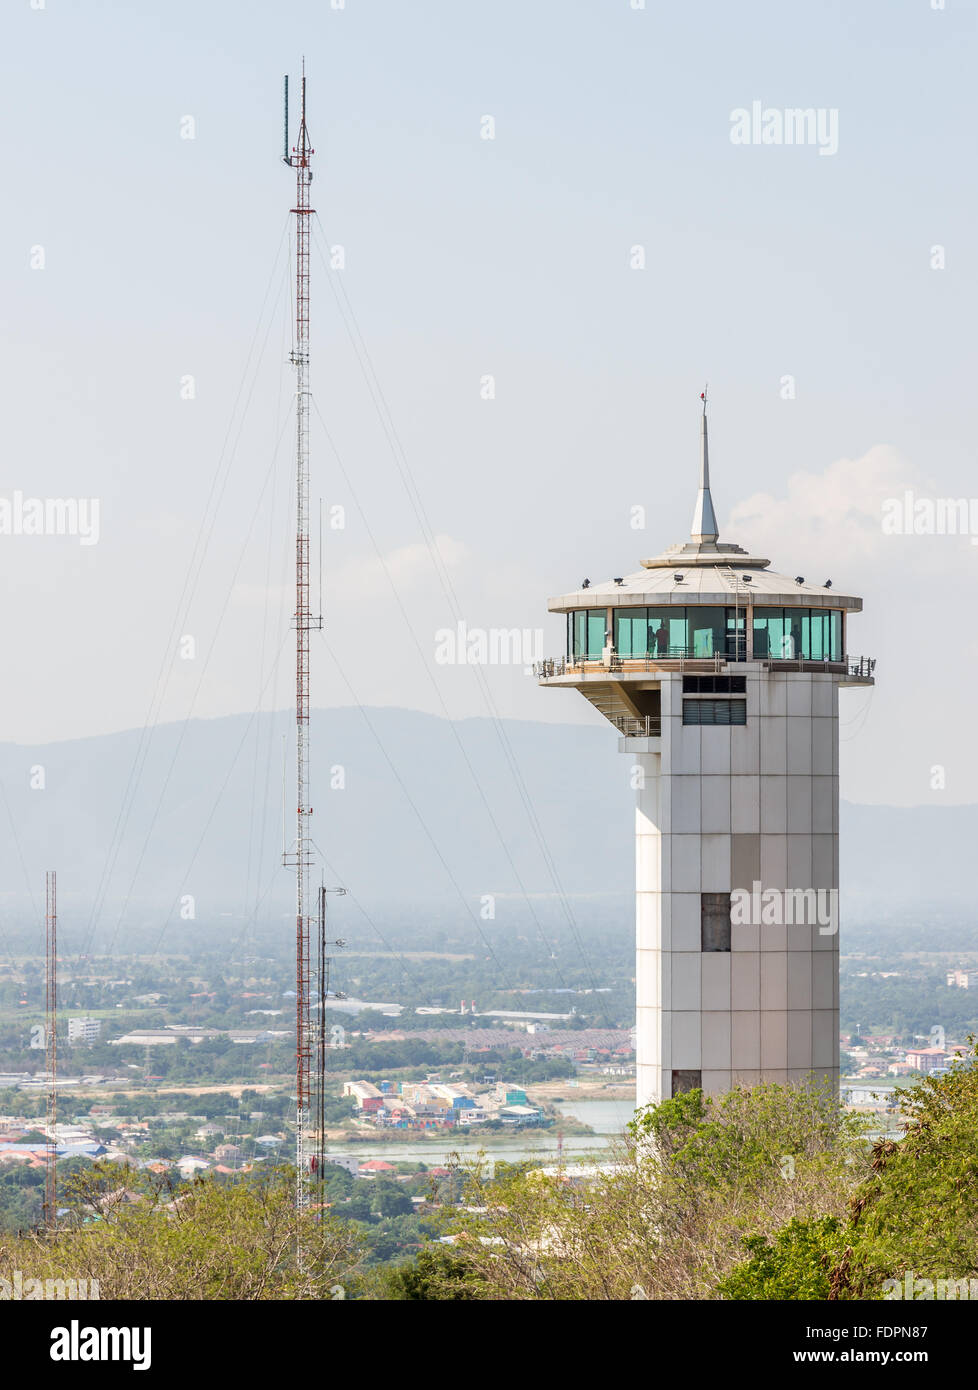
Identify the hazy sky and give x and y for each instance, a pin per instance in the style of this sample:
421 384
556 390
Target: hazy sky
167 258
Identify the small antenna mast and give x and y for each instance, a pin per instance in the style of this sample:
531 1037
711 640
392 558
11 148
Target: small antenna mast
285 148
285 844
321 608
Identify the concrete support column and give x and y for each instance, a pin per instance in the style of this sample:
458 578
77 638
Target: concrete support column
645 773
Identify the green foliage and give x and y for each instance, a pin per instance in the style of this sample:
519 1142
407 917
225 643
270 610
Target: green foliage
147 1239
796 1264
390 1199
437 1273
918 1209
695 1177
21 1197
337 1182
915 1209
907 1003
740 1136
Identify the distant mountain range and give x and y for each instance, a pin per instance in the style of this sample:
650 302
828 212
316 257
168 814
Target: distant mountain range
405 810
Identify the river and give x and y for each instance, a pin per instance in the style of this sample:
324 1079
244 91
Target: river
606 1118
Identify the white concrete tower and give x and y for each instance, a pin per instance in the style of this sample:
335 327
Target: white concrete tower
722 679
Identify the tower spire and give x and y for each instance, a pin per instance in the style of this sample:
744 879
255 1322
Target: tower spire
704 528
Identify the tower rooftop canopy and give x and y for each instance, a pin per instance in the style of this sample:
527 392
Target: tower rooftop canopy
718 582
704 569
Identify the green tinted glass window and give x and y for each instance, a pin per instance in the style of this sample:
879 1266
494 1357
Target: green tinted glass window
631 631
707 631
794 639
819 644
835 630
667 634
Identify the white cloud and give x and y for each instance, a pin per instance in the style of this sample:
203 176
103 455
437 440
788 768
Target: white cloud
829 515
408 566
829 525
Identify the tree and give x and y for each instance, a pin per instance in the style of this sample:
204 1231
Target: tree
437 1273
918 1208
390 1200
913 1210
146 1239
694 1177
797 1264
358 1207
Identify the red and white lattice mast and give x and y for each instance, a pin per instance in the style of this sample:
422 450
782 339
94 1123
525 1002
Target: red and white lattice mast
301 857
51 1044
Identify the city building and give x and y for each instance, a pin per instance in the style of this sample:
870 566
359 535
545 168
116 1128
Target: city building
189 1165
352 1165
474 1116
926 1059
84 1030
166 1037
433 1104
722 679
368 1098
519 1114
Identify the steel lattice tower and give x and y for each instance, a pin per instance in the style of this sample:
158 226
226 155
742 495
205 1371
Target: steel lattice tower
302 856
51 1043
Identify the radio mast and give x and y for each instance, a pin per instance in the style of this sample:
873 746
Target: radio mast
51 1041
299 158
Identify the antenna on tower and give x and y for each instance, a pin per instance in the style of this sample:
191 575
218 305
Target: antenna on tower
285 759
285 147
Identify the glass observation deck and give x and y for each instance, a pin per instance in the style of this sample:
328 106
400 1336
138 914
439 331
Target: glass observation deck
705 633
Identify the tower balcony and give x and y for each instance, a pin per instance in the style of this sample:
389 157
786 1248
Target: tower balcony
572 670
626 690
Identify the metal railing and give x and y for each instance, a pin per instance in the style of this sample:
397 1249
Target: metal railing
550 666
637 726
594 665
681 658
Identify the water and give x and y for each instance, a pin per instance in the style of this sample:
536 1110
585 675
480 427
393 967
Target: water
606 1118
438 1151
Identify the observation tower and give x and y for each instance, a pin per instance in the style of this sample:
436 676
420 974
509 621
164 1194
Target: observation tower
722 679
